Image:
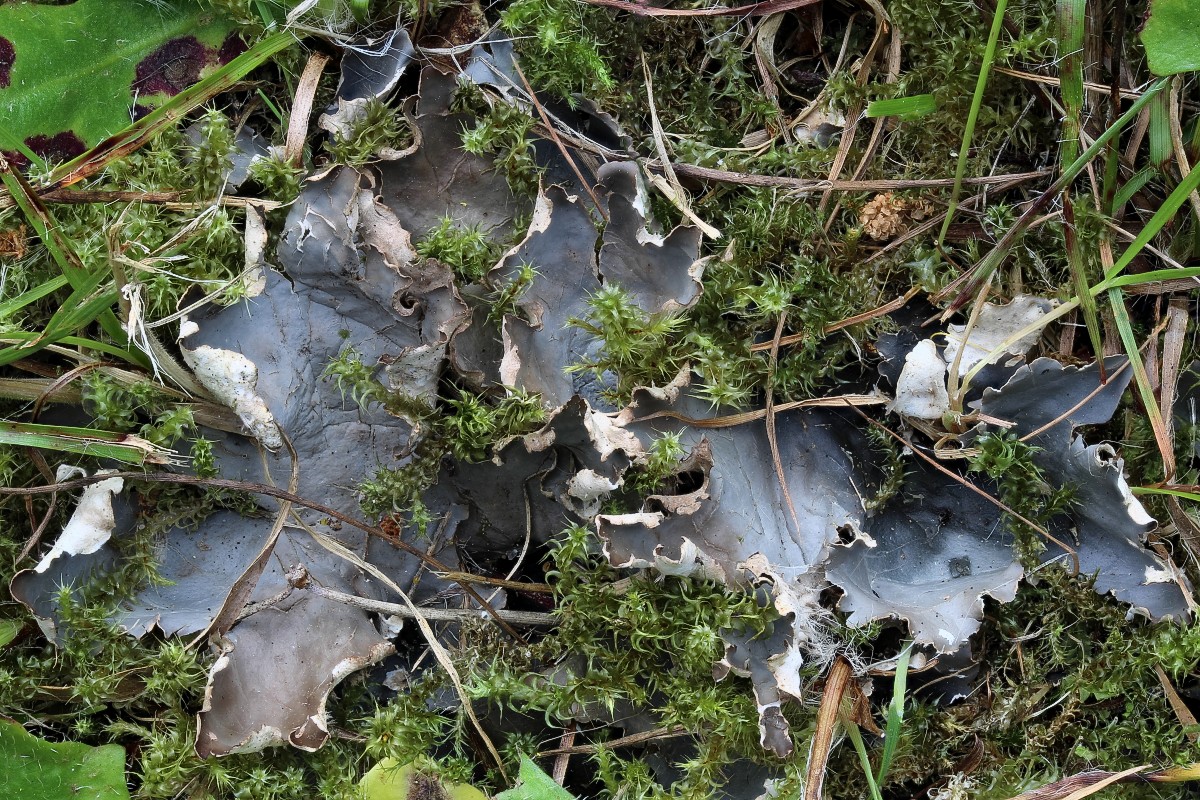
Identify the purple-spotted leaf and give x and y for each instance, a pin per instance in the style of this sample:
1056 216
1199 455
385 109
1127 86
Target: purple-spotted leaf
72 75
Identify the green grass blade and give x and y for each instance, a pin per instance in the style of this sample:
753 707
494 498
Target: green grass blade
1145 389
1159 131
1079 277
60 249
985 69
82 305
863 758
895 714
1183 493
913 107
1071 15
123 447
1133 186
15 304
968 284
79 342
1153 276
1165 213
85 304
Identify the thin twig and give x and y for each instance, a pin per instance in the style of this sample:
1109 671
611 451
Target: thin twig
762 9
623 741
814 185
537 104
769 415
298 579
730 420
879 311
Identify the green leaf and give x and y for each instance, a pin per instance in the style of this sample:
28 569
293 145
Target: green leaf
87 441
73 75
9 628
34 769
389 781
917 105
534 785
1133 186
1171 36
8 307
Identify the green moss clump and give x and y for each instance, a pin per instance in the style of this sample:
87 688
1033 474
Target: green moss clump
466 249
1024 489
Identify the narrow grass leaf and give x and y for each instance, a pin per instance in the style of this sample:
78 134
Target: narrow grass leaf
124 447
1142 379
79 342
1153 276
60 249
912 107
1157 222
989 54
1071 15
863 758
1133 186
1159 130
895 714
1191 493
12 305
966 285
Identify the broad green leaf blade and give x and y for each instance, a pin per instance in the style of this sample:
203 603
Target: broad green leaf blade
123 447
34 769
1171 36
73 75
176 108
534 785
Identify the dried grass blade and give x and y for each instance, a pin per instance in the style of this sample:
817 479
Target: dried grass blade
827 719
